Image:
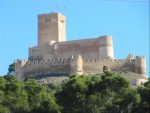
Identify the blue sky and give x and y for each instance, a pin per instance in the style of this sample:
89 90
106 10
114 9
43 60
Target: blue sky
126 20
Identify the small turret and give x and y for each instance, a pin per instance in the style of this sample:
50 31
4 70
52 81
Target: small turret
130 57
77 65
106 47
140 65
19 65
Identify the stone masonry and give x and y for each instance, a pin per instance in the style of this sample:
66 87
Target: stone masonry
55 56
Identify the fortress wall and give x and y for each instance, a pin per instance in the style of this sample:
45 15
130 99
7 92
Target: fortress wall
88 48
123 65
47 69
78 41
131 63
43 52
77 64
35 53
82 47
52 66
101 47
96 65
117 64
136 65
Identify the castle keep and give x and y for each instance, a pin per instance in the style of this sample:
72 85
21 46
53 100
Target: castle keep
55 56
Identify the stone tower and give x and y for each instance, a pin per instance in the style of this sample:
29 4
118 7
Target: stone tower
140 65
77 65
106 47
51 27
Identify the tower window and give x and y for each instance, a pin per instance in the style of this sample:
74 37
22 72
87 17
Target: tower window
62 21
47 19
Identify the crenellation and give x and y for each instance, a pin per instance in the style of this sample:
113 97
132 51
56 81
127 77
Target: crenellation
54 55
50 61
140 57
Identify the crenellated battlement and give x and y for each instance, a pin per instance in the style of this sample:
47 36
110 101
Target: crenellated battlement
54 55
140 57
119 60
48 61
79 64
52 61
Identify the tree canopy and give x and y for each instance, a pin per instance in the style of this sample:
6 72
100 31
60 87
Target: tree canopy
106 93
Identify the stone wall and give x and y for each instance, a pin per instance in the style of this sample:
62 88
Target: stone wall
54 55
79 64
96 47
57 66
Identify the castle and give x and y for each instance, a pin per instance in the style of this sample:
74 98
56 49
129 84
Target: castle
55 56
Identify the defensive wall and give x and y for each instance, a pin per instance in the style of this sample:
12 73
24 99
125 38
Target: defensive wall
55 56
80 65
101 46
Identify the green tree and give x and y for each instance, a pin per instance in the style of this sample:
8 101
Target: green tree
106 93
16 97
4 109
26 97
39 99
10 77
2 83
11 69
144 105
109 93
73 94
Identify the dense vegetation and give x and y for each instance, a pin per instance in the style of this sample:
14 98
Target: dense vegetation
109 93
